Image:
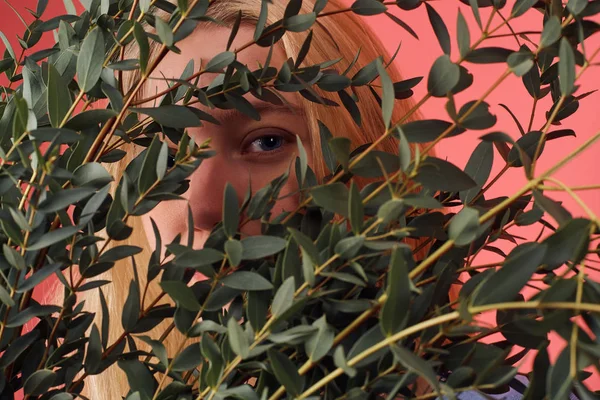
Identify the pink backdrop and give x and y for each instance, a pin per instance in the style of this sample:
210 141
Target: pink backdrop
415 59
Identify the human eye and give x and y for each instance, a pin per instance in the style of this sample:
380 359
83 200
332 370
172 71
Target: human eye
266 142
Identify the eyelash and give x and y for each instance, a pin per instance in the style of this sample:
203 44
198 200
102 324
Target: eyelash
286 138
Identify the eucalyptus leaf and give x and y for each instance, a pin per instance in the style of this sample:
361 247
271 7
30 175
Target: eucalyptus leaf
90 60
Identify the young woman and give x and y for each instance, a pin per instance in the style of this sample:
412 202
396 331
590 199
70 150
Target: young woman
247 149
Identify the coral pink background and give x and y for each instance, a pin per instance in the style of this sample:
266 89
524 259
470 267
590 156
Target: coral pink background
415 59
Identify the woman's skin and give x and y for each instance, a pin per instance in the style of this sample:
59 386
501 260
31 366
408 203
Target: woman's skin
245 148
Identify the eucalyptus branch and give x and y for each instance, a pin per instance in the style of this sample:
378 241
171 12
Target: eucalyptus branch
441 320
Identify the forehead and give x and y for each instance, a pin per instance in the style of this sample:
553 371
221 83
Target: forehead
204 44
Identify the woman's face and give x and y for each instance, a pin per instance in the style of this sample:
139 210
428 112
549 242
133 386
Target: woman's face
245 148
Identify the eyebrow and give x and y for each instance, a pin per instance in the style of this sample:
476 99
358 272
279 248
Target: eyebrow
291 109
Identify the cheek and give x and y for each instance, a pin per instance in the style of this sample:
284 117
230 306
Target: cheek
288 204
170 218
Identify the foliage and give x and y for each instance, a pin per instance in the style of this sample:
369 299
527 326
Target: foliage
313 308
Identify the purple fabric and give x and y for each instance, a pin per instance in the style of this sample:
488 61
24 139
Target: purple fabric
512 394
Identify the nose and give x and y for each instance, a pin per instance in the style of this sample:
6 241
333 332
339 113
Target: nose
206 190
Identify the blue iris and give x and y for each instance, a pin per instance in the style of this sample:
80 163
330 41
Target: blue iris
269 143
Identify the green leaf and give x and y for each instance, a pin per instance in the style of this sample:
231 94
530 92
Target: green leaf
395 310
443 76
258 308
35 311
188 359
198 258
340 147
182 294
38 277
131 310
90 118
551 33
334 82
521 7
463 35
94 351
566 67
523 151
91 174
165 33
349 247
21 117
517 269
64 198
414 363
479 118
286 373
554 208
5 298
58 97
569 243
237 339
140 379
440 29
479 168
13 257
220 61
559 381
39 382
464 226
340 361
234 250
488 55
520 62
438 174
404 152
58 135
368 7
247 281
328 156
174 116
355 209
427 130
231 212
158 349
206 326
300 22
308 268
368 339
475 7
90 60
147 177
17 347
387 105
144 48
296 335
215 360
576 6
234 29
284 297
390 210
256 247
332 197
319 344
52 237
9 48
303 160
262 19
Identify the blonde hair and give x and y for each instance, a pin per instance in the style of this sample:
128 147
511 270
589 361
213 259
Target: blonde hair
334 36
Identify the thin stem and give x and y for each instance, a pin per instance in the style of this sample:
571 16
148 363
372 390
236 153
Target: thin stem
441 320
